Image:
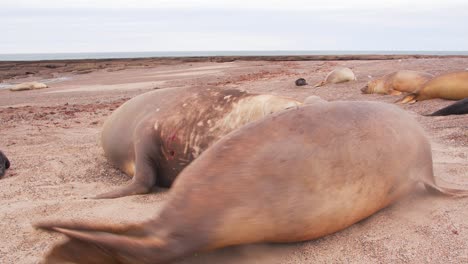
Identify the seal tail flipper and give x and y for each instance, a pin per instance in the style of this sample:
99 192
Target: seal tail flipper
89 245
322 83
432 188
411 98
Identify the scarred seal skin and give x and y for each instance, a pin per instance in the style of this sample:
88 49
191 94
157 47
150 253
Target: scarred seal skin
450 86
153 136
4 164
287 177
398 82
338 75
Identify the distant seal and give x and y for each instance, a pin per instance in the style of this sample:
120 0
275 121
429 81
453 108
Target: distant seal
338 75
451 86
301 82
284 178
153 136
4 164
395 83
458 108
28 86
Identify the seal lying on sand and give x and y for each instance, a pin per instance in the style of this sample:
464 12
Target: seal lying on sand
4 164
28 86
152 137
287 177
451 86
338 75
397 82
458 108
301 82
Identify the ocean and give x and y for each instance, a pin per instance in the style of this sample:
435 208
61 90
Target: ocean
161 54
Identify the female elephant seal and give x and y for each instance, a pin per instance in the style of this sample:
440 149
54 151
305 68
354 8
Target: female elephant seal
458 108
287 177
152 137
4 164
338 75
451 86
397 82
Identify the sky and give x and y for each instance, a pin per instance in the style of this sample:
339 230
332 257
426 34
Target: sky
59 26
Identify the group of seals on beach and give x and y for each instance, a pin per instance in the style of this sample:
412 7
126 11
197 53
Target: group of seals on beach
4 164
286 177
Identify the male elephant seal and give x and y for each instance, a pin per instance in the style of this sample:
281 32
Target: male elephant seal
451 86
4 164
338 75
397 82
287 177
458 108
152 137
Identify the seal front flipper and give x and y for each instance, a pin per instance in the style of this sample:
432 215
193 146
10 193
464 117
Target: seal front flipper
143 180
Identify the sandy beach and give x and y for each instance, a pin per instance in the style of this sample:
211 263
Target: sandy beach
51 137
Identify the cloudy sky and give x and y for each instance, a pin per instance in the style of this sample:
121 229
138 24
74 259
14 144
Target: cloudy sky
49 26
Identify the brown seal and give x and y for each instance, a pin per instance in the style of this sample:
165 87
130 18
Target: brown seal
287 177
458 108
451 86
338 75
395 83
4 164
152 137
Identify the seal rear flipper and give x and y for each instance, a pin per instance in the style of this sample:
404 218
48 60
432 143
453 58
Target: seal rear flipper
432 188
97 246
134 188
322 83
411 98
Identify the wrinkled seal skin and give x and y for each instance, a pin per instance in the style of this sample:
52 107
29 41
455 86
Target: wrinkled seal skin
395 83
4 164
450 86
338 75
458 108
287 177
155 135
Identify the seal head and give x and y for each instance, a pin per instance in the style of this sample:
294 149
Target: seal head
4 164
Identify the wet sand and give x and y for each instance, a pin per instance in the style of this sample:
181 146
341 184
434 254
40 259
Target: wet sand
52 135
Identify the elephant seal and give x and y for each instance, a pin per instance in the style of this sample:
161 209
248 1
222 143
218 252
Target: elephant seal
284 178
451 86
301 82
458 108
4 164
153 136
338 75
397 82
28 86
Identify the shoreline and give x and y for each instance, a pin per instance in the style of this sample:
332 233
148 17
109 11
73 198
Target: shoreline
50 68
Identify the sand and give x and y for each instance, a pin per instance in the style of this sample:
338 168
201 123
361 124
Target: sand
52 139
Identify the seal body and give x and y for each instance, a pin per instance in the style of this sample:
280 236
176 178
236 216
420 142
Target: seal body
28 86
4 164
152 137
287 177
338 75
458 108
301 82
395 83
451 86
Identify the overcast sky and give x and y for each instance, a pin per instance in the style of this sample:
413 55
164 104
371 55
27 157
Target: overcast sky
46 26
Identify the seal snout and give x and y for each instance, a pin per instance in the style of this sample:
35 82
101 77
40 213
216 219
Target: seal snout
365 89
